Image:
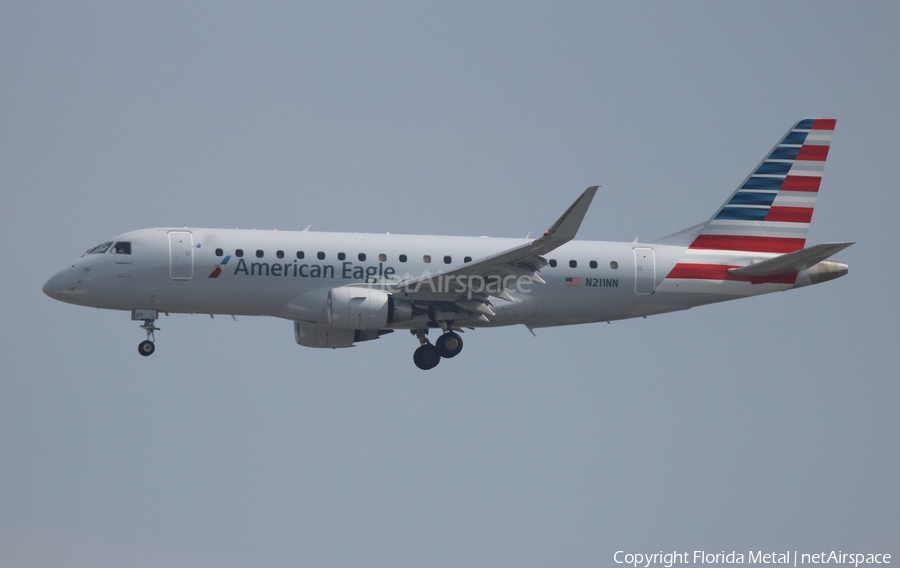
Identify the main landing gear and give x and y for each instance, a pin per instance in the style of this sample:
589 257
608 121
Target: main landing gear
427 356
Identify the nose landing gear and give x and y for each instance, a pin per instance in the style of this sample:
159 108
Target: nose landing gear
148 346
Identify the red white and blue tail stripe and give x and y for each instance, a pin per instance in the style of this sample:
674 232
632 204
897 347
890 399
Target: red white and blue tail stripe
769 213
771 210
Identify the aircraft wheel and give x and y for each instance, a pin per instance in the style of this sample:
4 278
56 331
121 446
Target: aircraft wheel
449 345
146 348
426 357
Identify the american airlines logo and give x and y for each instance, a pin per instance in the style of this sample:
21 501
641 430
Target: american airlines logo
215 273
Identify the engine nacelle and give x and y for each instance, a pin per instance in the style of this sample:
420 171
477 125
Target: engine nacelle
317 335
310 334
351 307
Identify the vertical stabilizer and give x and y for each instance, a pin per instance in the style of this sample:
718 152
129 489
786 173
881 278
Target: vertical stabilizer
771 210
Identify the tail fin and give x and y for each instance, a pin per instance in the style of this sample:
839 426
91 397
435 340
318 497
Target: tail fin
772 209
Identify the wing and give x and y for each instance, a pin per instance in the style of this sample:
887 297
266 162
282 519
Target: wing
465 285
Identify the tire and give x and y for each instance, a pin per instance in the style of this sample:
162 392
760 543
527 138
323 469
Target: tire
449 345
426 357
146 348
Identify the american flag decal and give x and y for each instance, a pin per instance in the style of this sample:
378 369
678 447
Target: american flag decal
575 281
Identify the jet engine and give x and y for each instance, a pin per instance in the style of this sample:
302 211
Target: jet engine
309 334
351 307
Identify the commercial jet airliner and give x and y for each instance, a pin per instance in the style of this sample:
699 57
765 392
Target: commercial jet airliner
339 289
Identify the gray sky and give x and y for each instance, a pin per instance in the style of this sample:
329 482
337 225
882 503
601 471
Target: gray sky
769 423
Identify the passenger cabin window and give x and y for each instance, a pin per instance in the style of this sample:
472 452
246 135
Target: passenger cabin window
426 258
573 264
382 257
467 259
220 252
593 264
260 254
121 248
320 255
613 264
341 256
361 256
552 263
239 253
279 254
300 255
402 258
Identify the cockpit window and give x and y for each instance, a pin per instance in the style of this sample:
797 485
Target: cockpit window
99 248
121 247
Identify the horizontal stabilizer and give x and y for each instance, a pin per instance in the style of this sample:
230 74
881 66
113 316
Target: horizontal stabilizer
791 262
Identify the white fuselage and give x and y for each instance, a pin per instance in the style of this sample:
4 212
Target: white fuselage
288 274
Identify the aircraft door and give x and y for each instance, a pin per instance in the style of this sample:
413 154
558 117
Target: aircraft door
181 255
644 271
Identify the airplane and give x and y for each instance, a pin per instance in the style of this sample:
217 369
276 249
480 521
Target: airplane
340 289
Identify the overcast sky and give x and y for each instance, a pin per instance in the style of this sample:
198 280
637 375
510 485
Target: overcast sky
769 423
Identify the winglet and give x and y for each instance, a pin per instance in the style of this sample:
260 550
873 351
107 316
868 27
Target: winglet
566 227
524 259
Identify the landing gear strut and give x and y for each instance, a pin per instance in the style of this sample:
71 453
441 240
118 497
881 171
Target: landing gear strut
448 345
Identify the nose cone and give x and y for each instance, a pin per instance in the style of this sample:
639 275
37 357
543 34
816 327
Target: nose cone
63 286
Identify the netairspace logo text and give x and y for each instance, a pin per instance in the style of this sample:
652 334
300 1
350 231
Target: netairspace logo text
786 558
